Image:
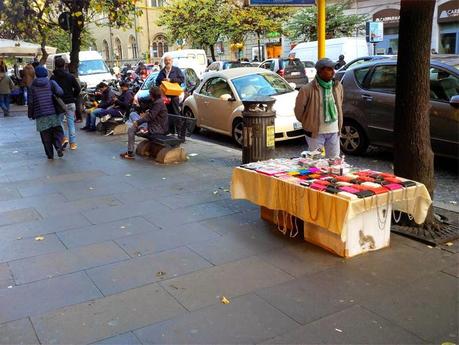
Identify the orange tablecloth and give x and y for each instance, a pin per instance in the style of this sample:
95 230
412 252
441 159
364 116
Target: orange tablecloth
326 210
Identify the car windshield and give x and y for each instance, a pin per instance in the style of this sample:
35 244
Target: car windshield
261 84
92 67
150 81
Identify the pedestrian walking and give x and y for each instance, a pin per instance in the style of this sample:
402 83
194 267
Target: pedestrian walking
318 107
156 118
27 79
6 86
340 63
42 110
71 89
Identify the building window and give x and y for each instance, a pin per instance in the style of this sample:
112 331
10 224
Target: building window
132 47
159 46
106 50
118 49
157 3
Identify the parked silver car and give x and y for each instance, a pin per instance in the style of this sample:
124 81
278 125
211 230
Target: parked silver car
369 105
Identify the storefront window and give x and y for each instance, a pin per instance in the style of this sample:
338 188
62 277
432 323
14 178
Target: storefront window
448 43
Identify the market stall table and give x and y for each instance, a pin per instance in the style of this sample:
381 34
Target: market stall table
347 227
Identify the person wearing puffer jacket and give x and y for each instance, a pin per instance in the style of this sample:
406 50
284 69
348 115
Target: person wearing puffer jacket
42 110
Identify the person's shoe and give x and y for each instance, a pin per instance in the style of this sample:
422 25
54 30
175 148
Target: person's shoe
50 157
60 153
85 128
127 155
91 130
110 132
6 114
64 143
73 146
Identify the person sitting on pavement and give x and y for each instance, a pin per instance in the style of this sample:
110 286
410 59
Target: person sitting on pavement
107 100
121 106
156 118
72 89
319 108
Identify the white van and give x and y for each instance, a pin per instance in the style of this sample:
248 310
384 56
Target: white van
92 69
192 58
350 47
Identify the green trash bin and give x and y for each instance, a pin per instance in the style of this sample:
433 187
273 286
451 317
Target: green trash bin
258 134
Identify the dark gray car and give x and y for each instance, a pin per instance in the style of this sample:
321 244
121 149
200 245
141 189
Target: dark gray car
369 104
360 61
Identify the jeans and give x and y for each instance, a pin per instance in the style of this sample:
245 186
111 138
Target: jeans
91 119
132 131
329 141
5 104
70 115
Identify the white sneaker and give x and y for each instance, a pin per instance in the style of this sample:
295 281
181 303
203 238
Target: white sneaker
105 118
109 133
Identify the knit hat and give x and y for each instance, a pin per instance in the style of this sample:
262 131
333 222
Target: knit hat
41 71
325 62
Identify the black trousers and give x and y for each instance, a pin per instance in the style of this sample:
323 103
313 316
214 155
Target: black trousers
173 108
52 137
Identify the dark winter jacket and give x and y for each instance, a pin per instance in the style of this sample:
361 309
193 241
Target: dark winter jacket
156 118
124 101
40 98
6 84
175 76
107 98
69 85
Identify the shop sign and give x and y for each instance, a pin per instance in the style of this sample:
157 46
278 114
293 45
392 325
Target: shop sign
390 17
448 12
273 34
282 2
375 32
270 136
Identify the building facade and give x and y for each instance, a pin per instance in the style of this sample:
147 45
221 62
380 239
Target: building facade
144 41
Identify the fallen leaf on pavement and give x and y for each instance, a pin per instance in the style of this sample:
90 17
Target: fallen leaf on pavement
192 154
39 238
224 300
19 238
338 330
216 192
160 274
429 247
91 188
226 190
127 175
164 178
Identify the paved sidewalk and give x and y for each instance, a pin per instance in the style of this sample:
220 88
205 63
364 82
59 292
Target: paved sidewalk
94 249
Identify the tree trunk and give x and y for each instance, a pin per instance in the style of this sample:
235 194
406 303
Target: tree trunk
259 47
74 53
413 156
212 52
44 53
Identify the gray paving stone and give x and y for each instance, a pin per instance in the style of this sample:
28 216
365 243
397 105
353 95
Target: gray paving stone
18 216
427 307
231 222
105 232
18 332
51 199
8 193
314 296
117 277
205 287
301 259
6 279
99 189
122 339
92 321
180 200
236 245
188 214
43 226
96 204
354 325
45 295
28 247
157 241
246 320
66 261
125 211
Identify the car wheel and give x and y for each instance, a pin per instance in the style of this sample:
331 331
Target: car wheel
353 139
192 128
238 126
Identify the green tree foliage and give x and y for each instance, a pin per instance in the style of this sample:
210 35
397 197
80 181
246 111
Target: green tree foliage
302 26
199 22
61 40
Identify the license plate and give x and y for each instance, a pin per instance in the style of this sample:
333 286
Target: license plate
297 125
295 73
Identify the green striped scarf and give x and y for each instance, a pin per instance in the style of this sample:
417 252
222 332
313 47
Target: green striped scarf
328 101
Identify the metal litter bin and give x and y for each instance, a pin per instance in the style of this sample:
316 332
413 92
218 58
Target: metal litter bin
258 132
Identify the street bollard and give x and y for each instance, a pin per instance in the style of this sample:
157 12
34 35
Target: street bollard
258 132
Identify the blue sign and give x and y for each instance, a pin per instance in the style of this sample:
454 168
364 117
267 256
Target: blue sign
282 2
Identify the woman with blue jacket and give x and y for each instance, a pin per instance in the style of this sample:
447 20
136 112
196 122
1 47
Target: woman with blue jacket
42 110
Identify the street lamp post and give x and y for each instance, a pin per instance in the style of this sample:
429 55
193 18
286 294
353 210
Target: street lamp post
321 29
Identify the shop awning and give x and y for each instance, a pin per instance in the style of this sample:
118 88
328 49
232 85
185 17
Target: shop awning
21 48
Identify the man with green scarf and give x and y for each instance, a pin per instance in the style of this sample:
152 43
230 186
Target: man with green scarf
319 107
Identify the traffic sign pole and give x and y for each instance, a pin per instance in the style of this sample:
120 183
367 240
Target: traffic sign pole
320 29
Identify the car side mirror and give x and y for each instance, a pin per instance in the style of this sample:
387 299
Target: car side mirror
454 101
227 97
